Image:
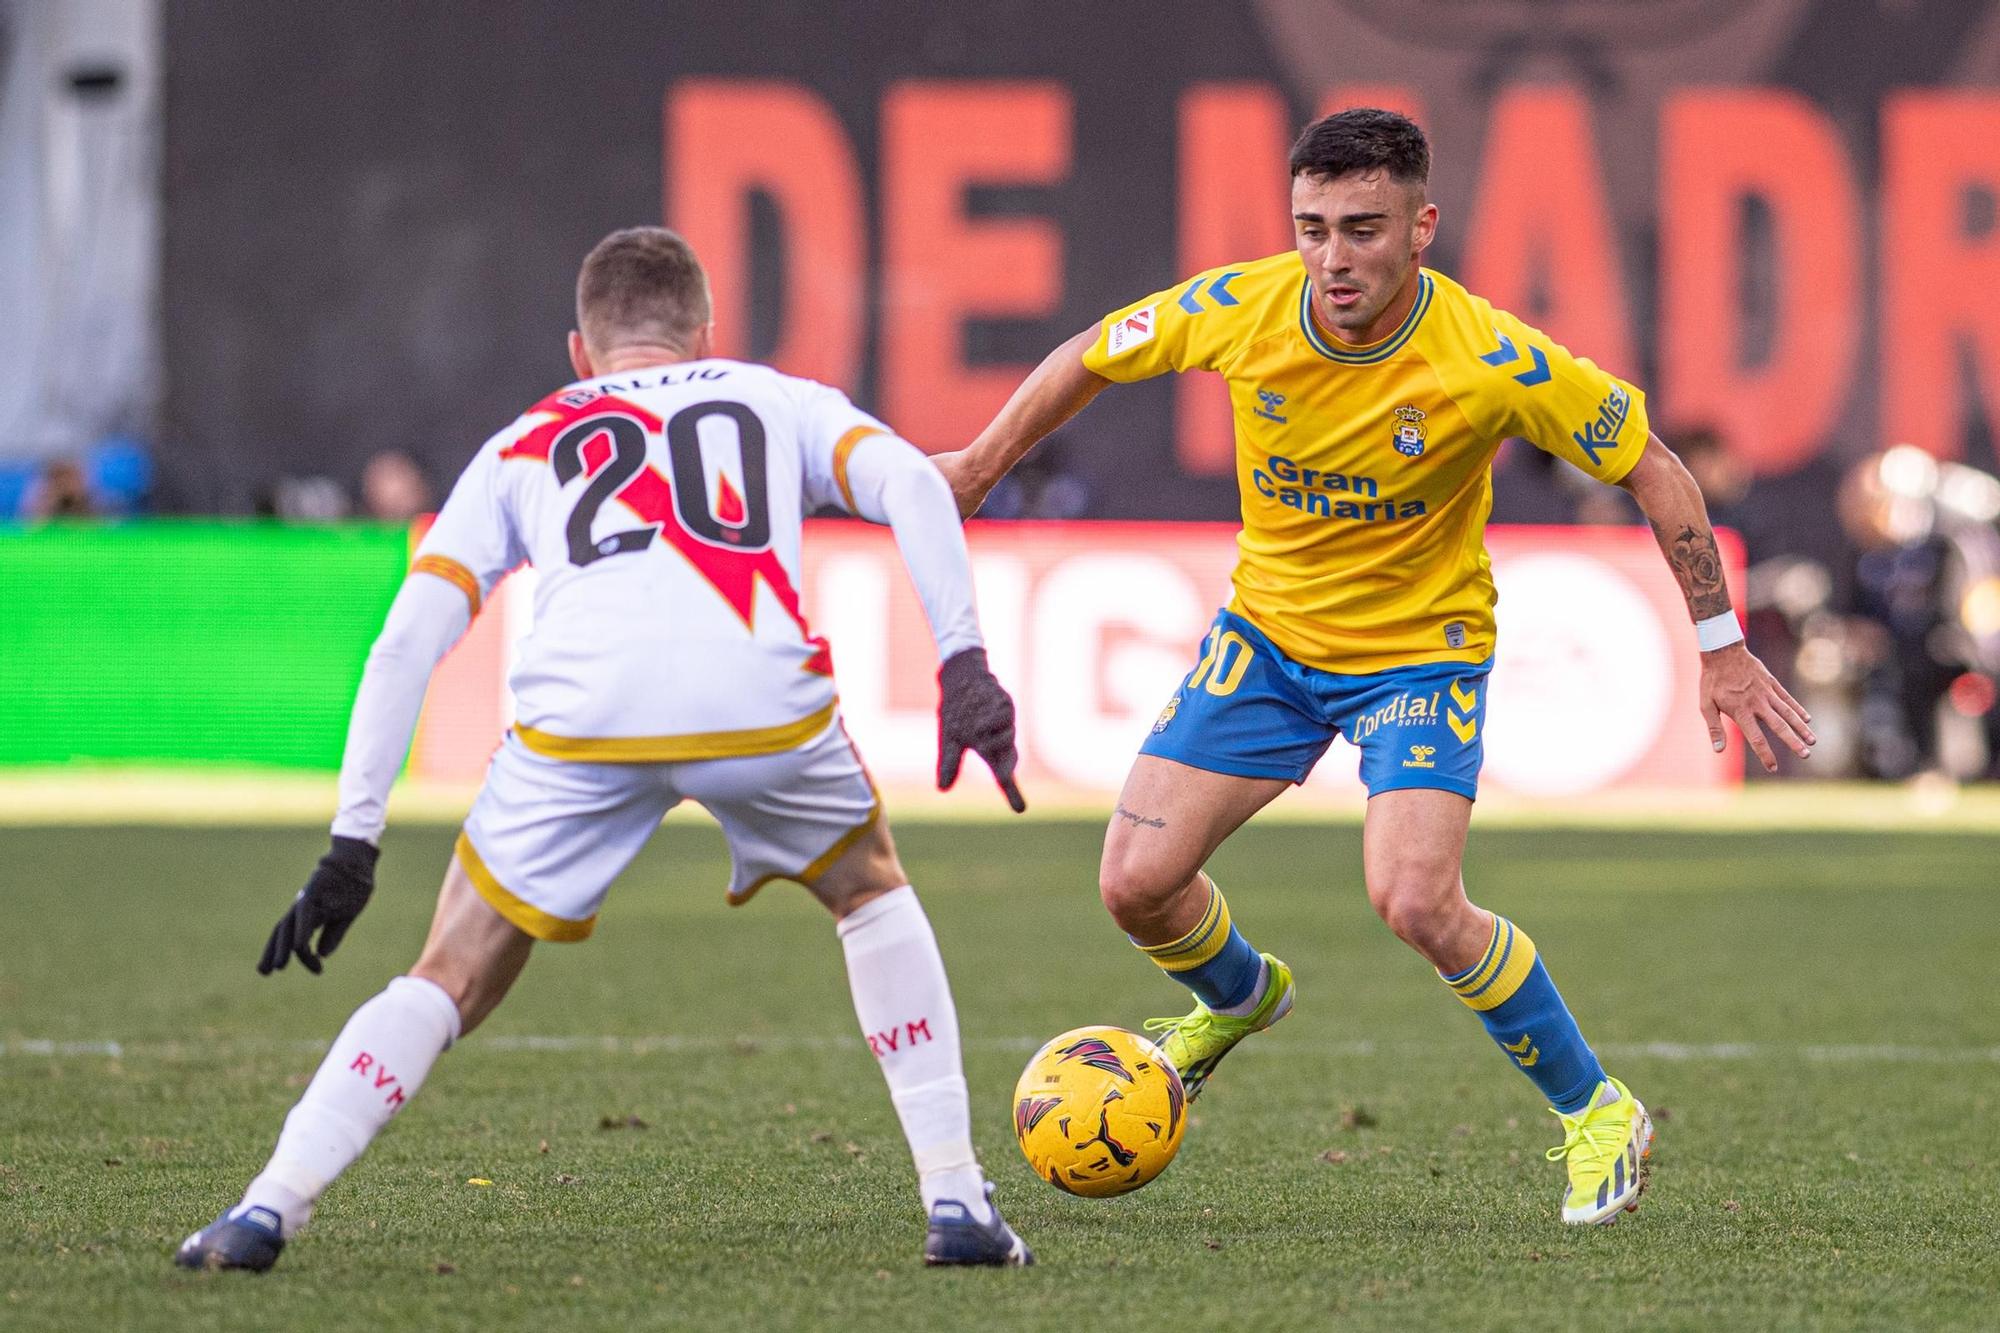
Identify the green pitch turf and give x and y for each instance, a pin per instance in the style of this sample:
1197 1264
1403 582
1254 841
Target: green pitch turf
682 1129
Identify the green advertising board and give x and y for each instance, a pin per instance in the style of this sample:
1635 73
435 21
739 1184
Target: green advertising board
177 641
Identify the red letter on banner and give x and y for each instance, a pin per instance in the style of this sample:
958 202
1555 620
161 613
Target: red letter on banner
728 139
1940 263
943 268
1540 225
1719 149
1234 206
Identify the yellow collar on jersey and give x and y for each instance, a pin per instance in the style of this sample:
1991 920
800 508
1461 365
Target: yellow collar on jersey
1374 352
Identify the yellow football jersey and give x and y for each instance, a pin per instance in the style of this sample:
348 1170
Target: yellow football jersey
1365 472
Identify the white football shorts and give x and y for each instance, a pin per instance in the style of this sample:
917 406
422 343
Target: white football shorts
547 836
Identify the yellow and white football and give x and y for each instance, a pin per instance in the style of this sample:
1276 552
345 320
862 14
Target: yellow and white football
1099 1112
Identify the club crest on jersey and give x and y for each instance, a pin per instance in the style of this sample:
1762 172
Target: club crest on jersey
1132 331
1409 432
1167 714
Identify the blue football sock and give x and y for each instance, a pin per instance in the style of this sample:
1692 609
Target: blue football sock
1213 960
1525 1015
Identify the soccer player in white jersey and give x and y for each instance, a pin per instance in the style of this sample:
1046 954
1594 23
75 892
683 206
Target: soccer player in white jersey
659 498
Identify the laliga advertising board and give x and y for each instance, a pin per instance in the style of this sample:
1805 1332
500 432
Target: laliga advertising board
1093 625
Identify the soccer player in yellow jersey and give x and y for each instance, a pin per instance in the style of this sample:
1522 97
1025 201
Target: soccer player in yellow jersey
1370 396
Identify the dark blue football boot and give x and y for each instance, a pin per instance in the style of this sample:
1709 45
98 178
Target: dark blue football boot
954 1238
241 1238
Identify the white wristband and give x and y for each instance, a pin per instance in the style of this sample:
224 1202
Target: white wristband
1718 631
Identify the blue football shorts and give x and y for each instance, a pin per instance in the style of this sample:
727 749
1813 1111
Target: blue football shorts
1248 710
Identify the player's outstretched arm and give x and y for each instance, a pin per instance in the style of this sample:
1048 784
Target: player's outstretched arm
1733 681
1054 392
889 481
429 615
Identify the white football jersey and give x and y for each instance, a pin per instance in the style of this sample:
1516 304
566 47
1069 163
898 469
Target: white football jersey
662 512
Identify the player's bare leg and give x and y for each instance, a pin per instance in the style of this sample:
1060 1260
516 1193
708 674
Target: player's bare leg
864 872
1413 848
901 997
376 1064
472 953
1170 819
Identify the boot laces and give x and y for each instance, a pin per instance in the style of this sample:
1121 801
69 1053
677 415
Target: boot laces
1604 1138
1191 1027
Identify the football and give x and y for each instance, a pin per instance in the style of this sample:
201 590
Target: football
1099 1112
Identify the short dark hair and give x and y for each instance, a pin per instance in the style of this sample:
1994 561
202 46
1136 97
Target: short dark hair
1363 138
641 284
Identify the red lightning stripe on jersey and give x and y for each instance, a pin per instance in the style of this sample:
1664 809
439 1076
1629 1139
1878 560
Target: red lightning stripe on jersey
564 410
728 504
732 573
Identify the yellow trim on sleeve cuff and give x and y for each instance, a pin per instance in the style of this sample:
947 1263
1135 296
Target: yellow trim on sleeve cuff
525 915
842 451
676 749
451 571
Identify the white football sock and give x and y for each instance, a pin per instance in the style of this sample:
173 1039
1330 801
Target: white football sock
377 1063
904 1004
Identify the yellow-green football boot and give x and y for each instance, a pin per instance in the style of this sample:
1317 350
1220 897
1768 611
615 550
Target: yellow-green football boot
1196 1043
1604 1148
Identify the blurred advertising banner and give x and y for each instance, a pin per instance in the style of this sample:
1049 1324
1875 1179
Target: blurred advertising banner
1092 626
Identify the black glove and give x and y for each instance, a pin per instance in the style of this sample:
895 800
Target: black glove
975 713
328 904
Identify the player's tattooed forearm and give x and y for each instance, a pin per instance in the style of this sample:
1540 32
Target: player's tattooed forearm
1137 820
1697 564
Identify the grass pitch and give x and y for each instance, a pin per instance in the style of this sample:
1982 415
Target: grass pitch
682 1128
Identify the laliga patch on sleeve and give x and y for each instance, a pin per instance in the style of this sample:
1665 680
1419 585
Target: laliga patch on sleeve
1129 332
